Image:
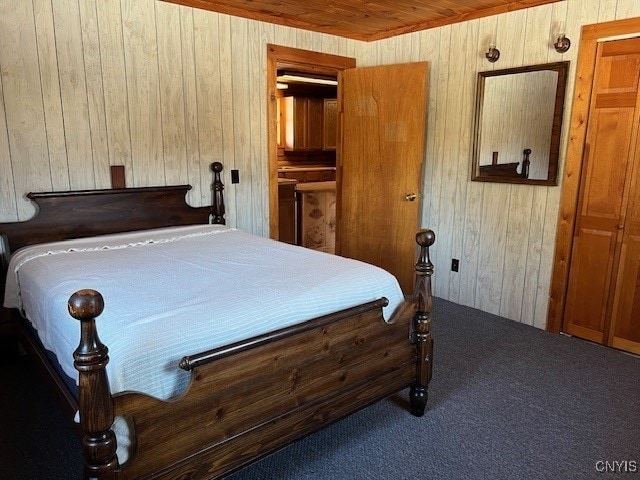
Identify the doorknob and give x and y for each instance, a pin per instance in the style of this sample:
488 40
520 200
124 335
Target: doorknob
410 197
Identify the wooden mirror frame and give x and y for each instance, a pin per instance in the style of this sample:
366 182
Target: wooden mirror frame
554 147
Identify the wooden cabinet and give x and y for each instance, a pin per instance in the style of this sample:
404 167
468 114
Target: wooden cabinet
330 124
314 123
287 212
304 123
603 294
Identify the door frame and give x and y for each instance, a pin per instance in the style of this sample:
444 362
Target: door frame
585 70
309 62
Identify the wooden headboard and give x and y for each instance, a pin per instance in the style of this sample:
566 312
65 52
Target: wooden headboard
87 213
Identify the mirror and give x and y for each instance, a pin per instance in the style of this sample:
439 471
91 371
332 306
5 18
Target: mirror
518 121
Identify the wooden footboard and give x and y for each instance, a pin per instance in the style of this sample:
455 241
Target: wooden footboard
254 397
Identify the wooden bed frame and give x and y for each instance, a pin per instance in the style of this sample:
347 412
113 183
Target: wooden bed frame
244 400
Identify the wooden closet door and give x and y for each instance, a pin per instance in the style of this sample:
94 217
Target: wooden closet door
625 319
609 154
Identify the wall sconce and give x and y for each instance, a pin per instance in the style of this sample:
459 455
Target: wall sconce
493 54
562 44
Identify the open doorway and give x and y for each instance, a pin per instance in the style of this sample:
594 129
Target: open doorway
303 144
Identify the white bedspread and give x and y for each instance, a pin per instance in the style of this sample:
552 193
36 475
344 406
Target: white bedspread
180 291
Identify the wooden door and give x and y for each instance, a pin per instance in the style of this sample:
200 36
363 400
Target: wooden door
624 332
383 117
606 177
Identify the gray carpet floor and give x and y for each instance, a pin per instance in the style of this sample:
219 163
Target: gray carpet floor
507 401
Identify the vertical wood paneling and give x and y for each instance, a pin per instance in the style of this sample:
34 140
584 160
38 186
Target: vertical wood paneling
172 100
516 246
51 97
257 64
7 192
462 160
518 256
441 287
95 93
23 104
207 61
226 111
192 148
241 123
607 10
143 91
495 233
538 303
492 214
114 83
331 44
449 187
367 54
388 51
627 8
307 40
73 89
403 49
474 202
536 51
426 47
285 36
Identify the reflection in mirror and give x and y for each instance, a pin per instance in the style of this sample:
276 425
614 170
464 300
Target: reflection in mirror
518 123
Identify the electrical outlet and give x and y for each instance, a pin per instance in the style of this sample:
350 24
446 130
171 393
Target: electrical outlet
455 264
235 176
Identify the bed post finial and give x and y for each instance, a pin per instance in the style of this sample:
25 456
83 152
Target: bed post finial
95 404
421 328
218 198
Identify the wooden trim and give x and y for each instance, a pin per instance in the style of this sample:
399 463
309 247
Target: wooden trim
624 344
575 153
296 56
306 61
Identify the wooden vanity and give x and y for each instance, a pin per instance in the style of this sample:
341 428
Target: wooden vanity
306 200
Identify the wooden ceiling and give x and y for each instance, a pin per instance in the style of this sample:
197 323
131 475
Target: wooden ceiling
362 19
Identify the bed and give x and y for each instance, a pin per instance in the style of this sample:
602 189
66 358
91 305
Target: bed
243 398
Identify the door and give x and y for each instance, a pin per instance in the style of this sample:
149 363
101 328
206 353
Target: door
624 332
605 244
379 165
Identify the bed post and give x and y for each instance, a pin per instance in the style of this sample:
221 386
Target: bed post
218 199
421 326
95 403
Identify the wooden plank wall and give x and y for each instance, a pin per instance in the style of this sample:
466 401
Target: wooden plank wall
159 88
504 235
165 90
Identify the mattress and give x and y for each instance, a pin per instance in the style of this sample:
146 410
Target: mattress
180 291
